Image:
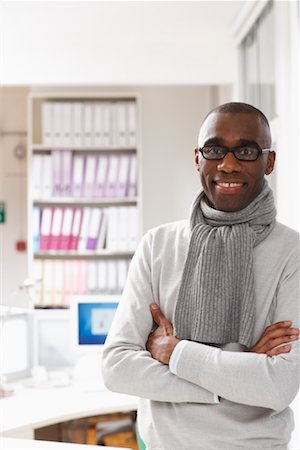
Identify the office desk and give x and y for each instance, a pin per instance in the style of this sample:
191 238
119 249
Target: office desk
26 444
32 408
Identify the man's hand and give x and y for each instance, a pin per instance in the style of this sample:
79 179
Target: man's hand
161 342
276 334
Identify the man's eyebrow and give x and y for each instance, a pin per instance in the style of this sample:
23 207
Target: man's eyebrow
220 141
214 140
250 142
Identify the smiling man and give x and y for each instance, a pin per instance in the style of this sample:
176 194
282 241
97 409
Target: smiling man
207 329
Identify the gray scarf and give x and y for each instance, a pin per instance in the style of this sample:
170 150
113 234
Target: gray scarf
216 301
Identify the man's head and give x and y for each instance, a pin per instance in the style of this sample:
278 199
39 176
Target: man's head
232 182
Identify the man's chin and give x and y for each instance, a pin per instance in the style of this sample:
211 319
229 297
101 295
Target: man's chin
229 204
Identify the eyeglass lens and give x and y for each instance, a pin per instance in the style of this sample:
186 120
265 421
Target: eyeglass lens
242 153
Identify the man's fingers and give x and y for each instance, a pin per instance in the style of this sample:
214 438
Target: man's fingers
279 350
278 341
160 319
282 324
279 332
274 336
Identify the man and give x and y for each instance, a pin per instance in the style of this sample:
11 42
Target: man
221 367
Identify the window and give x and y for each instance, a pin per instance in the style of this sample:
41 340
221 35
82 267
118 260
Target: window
258 63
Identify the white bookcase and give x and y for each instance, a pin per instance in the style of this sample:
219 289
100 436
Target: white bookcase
83 162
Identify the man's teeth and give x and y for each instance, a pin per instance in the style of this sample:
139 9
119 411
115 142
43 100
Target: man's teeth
230 184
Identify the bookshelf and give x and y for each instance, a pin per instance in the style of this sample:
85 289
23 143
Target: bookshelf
83 193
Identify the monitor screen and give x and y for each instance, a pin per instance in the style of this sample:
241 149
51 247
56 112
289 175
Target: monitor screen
92 317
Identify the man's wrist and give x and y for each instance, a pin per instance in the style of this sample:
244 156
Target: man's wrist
176 355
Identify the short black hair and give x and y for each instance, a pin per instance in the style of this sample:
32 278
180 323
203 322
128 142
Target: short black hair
244 108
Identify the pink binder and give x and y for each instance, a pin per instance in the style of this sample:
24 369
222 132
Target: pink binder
76 225
46 223
56 228
65 239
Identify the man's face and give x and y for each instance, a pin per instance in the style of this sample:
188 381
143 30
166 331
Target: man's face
233 130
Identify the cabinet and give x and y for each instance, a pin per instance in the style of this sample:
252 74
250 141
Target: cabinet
83 193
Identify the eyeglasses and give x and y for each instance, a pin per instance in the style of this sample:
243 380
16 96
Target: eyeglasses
245 153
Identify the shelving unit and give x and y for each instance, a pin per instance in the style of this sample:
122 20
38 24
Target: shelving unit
86 118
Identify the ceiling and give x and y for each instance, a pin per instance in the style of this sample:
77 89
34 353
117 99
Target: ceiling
129 42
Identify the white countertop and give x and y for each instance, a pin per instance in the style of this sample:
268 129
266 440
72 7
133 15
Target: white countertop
31 408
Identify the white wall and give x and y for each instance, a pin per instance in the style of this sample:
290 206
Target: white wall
171 118
13 264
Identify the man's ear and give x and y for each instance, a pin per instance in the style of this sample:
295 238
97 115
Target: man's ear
196 158
270 162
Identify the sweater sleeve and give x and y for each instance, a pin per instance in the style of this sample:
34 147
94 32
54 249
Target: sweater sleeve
245 377
127 366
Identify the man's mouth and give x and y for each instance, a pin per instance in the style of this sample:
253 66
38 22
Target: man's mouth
228 187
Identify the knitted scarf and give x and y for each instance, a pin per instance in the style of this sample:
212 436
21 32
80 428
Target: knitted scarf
216 300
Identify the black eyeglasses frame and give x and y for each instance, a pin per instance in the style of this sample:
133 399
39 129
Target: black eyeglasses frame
261 151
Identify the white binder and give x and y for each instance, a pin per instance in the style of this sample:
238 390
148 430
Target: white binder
58 283
112 276
77 176
112 240
133 228
38 276
92 275
57 183
101 175
88 125
123 228
131 113
37 162
112 176
122 269
107 124
66 172
132 181
102 276
57 124
123 176
120 132
67 124
77 140
47 123
89 175
82 243
47 175
98 125
48 282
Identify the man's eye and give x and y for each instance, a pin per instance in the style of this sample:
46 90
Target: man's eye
246 151
214 150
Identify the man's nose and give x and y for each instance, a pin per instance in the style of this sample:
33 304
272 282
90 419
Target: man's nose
229 164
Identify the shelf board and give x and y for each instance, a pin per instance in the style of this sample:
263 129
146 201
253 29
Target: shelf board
83 201
87 254
48 148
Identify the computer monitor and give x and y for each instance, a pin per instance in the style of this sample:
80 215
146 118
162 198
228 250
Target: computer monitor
91 318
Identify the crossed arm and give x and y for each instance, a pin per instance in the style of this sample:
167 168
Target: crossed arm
132 361
162 341
262 381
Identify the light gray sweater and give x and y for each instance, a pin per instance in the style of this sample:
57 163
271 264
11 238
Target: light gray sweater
178 412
